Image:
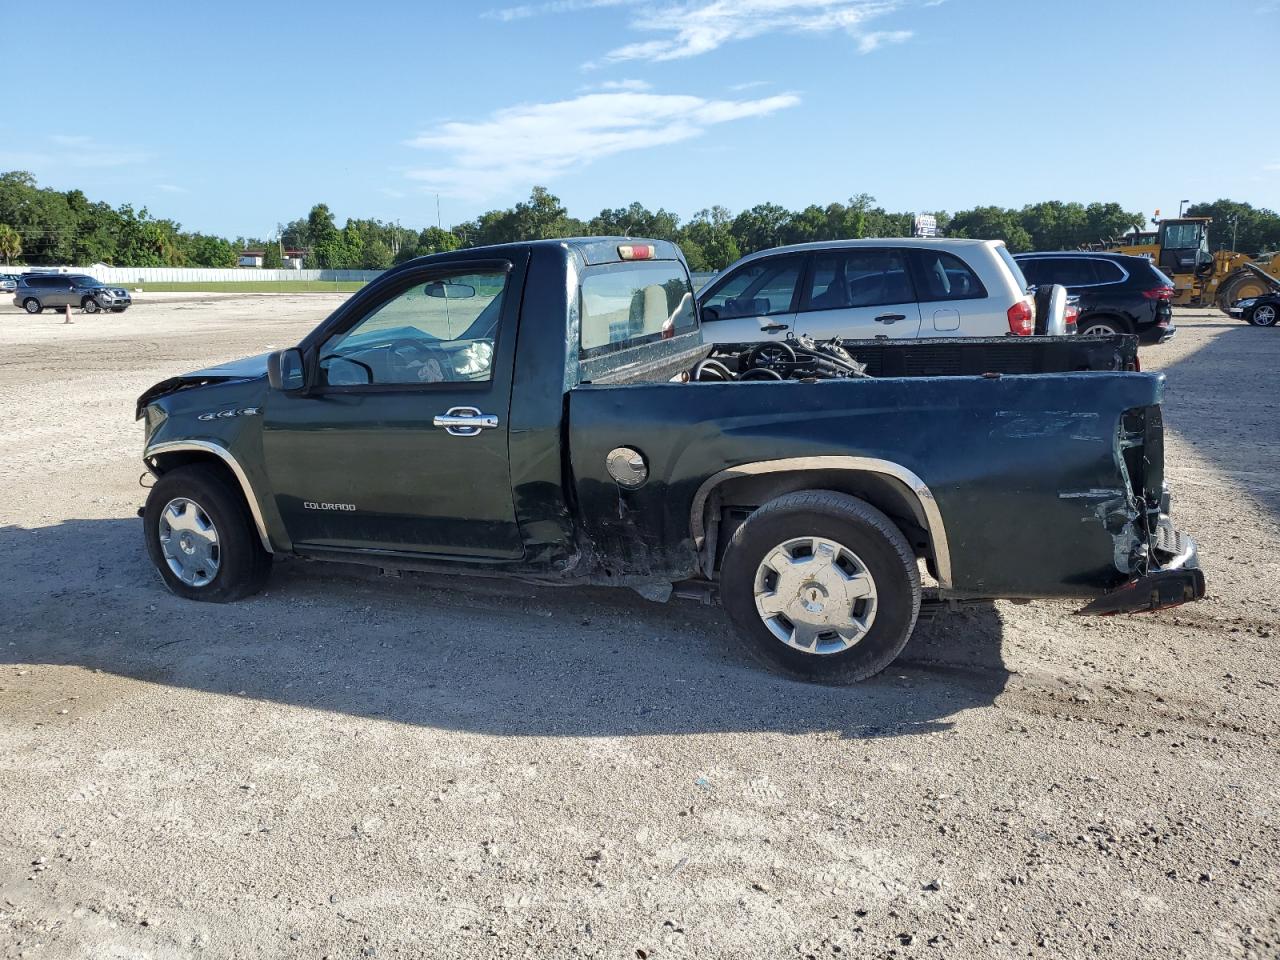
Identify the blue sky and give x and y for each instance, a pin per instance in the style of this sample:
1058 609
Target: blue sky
231 119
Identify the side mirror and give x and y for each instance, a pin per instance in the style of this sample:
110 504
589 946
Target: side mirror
710 313
286 372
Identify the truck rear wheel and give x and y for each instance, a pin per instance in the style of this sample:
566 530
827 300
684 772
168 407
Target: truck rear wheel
201 538
821 586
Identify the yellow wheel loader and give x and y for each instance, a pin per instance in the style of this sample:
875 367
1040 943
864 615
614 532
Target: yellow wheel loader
1180 248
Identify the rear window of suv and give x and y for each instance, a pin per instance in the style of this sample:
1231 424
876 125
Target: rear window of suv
626 304
1019 280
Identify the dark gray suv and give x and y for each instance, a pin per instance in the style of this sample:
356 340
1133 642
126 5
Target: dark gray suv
36 291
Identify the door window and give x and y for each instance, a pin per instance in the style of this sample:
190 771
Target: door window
1068 271
442 330
1033 270
1107 272
946 277
758 289
858 278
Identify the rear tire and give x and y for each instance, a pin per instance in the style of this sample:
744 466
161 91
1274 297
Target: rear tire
182 508
31 305
857 550
1264 315
1103 327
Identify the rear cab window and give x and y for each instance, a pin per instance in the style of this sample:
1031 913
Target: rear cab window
627 304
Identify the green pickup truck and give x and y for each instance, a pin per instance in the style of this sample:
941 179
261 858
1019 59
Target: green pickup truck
549 411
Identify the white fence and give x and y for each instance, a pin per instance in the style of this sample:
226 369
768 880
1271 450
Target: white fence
126 275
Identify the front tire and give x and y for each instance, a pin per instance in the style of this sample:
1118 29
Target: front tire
201 538
1264 315
821 586
89 305
31 305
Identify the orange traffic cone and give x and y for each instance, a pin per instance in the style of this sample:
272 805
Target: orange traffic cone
66 316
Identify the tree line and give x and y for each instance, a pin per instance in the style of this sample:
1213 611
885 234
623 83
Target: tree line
41 225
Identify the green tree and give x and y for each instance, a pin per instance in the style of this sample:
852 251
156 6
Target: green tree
991 223
10 243
712 231
207 251
376 255
1257 230
271 258
761 227
635 220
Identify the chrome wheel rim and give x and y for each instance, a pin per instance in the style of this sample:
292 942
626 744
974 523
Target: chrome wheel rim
90 306
815 595
189 542
1101 330
32 306
1264 316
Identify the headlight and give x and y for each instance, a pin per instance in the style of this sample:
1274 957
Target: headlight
475 359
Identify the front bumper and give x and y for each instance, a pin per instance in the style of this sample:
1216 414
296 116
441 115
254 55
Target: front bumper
1173 578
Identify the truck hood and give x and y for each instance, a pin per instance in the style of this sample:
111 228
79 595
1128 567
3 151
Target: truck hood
249 368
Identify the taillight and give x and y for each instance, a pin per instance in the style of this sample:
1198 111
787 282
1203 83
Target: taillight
1159 293
1072 318
1022 319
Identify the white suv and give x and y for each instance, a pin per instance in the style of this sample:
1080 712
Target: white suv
863 289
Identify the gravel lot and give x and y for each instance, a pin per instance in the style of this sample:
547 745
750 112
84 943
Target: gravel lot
351 766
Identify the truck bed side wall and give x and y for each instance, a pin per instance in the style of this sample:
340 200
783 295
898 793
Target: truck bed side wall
1025 469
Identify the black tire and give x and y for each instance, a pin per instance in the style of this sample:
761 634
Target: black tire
243 565
1115 323
89 305
1264 315
857 526
31 305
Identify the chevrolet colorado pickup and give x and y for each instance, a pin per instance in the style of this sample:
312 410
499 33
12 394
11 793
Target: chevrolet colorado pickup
549 411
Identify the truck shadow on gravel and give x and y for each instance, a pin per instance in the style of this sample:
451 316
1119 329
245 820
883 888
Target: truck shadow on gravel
483 656
1222 400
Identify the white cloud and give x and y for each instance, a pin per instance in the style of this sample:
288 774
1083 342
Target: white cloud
525 10
535 143
750 85
1271 167
877 38
636 86
171 188
688 28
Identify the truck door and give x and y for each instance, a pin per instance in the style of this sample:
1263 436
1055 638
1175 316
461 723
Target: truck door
753 302
859 293
400 442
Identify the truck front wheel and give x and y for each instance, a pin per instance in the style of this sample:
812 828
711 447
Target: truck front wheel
822 586
201 538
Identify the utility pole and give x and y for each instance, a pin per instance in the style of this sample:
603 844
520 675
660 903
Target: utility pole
1235 222
439 225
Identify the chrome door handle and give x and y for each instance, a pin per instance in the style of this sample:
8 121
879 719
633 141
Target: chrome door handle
464 421
773 327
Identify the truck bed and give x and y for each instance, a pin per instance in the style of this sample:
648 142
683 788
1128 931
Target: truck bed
935 357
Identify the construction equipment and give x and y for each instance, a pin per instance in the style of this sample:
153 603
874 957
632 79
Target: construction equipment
1180 248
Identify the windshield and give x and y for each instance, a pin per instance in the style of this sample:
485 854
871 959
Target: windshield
1182 236
625 304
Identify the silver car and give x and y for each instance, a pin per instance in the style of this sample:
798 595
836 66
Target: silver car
37 291
865 289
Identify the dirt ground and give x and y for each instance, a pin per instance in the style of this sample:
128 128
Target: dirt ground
353 767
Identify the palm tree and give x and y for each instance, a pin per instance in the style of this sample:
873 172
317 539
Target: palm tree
10 243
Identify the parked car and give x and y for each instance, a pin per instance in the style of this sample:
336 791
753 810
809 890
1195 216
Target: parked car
1261 311
38 291
895 288
8 281
407 431
1117 293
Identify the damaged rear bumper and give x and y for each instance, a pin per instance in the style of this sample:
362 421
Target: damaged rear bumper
1175 578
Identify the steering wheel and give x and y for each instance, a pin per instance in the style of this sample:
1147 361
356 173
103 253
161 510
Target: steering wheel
778 356
423 362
